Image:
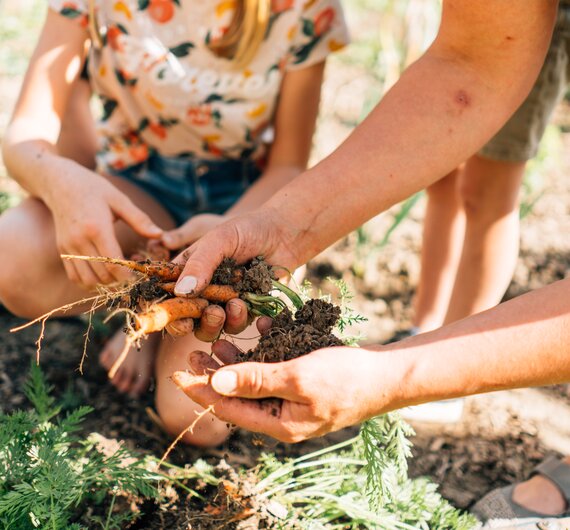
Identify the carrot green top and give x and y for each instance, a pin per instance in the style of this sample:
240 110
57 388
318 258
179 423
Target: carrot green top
163 90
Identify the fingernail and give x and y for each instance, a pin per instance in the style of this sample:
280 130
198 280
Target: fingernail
235 309
168 239
186 285
225 382
182 378
214 319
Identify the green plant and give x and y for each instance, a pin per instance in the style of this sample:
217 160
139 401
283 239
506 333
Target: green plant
360 483
48 473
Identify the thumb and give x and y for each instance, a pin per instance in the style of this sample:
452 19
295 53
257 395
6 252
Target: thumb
202 258
138 220
254 381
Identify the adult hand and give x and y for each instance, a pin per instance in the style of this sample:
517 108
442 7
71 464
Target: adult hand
258 233
233 321
318 393
241 238
85 207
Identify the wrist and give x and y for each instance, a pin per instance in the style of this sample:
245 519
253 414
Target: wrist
59 174
392 380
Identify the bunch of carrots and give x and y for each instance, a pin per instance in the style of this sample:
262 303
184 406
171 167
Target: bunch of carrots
151 316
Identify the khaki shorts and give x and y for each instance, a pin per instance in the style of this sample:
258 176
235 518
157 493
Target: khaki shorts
519 138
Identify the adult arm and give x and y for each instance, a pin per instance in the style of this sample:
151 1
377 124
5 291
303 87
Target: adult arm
523 342
445 106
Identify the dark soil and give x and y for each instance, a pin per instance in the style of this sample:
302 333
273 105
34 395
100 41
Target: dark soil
118 417
293 336
254 277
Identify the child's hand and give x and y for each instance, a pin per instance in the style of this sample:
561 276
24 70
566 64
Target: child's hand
192 230
85 207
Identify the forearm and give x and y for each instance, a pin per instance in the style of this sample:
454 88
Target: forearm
35 165
441 111
523 342
273 179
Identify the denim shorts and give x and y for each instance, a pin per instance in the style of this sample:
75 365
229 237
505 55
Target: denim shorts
187 186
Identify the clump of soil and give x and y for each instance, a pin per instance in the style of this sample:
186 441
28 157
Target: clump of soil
147 291
254 277
293 336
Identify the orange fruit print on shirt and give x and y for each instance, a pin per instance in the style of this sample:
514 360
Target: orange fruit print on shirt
161 10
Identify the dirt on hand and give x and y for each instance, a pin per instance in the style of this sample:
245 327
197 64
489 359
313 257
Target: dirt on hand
254 277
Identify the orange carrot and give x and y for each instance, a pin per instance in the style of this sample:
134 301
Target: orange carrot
164 270
168 311
212 293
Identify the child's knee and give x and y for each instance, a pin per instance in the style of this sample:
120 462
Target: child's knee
208 431
15 295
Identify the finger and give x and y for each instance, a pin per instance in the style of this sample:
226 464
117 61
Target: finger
211 323
225 351
70 270
236 316
87 277
253 415
201 260
202 364
99 269
252 380
264 324
110 248
180 328
139 221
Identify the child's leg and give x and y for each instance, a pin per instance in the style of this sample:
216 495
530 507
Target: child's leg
175 409
33 280
78 138
489 195
443 231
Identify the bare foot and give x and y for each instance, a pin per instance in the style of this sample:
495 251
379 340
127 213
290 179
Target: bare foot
134 374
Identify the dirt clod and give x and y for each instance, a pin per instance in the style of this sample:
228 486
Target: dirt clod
291 337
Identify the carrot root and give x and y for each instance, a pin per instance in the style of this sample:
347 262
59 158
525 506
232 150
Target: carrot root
168 311
213 293
164 270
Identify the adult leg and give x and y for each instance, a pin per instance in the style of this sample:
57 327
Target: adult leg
488 191
442 243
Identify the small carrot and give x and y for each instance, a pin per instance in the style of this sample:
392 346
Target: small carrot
163 313
213 293
164 270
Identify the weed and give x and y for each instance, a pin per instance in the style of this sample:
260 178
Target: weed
48 474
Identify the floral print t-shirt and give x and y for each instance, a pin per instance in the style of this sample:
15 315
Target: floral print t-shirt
164 90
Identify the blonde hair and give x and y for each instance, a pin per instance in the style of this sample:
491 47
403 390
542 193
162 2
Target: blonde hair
246 32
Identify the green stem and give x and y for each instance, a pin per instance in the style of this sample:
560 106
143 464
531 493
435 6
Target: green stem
108 521
289 293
